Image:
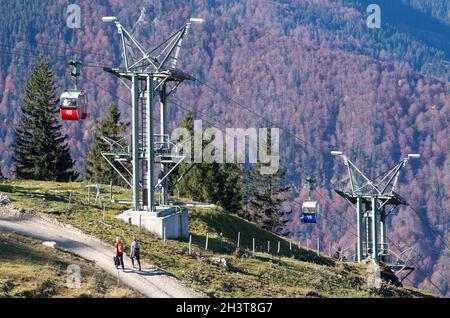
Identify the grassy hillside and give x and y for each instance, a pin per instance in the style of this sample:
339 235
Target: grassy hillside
30 269
296 273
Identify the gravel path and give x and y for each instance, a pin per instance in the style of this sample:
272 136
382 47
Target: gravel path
151 281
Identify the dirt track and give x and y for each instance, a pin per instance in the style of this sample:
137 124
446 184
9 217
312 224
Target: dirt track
151 281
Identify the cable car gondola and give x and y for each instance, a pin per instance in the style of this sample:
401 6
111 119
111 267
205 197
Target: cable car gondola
73 102
310 208
73 105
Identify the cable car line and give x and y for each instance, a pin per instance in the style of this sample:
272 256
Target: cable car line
416 266
112 94
378 176
37 54
54 57
323 216
252 111
397 246
48 45
431 229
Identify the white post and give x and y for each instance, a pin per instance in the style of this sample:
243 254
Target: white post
190 244
206 243
70 200
278 250
89 195
239 239
318 247
253 243
164 234
268 247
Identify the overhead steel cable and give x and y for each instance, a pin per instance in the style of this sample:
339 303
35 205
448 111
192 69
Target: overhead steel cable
433 232
12 52
398 247
251 110
231 99
325 217
49 45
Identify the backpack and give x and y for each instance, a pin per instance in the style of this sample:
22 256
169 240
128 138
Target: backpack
136 247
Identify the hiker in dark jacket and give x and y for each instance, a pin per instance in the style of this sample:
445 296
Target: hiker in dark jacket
134 253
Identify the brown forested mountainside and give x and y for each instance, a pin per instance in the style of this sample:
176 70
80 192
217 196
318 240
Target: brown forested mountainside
312 67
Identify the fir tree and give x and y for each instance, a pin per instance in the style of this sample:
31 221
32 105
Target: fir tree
96 168
218 183
40 150
264 203
263 197
230 187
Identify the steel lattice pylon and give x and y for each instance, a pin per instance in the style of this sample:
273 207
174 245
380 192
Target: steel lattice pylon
151 72
370 198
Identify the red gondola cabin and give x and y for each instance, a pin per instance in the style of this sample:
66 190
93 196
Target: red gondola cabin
73 105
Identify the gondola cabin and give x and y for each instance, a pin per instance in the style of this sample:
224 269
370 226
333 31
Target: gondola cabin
310 211
73 105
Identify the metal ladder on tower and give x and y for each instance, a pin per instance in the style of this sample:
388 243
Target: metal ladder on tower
143 144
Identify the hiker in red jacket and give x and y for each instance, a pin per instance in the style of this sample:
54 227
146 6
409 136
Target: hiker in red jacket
118 250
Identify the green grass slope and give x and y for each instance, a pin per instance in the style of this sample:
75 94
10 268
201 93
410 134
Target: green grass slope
294 272
32 270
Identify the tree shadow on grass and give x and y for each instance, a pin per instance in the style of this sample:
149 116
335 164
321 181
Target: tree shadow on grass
30 193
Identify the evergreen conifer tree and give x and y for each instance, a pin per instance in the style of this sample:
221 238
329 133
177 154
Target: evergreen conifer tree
218 183
40 150
263 197
96 168
264 204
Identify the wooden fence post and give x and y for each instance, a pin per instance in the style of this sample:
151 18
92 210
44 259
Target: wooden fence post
70 200
318 247
190 244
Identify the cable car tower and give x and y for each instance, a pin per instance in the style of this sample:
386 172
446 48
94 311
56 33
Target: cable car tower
149 73
374 201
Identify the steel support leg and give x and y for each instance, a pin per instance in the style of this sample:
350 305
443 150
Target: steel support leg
368 231
383 238
375 221
150 155
164 133
135 140
359 221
